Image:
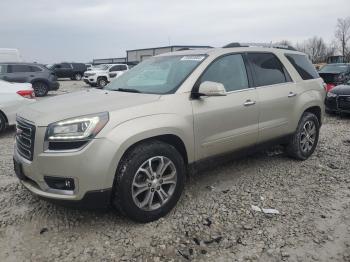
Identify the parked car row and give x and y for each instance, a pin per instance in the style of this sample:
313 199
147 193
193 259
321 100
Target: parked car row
42 79
74 71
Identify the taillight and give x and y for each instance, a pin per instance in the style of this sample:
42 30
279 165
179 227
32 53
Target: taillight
329 87
26 93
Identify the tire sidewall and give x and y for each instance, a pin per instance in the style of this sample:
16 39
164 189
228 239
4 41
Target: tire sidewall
77 76
307 117
99 82
2 123
40 94
127 172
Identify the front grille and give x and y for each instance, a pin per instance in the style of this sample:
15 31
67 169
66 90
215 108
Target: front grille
344 102
25 137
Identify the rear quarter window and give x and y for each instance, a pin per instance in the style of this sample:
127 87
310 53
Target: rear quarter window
303 66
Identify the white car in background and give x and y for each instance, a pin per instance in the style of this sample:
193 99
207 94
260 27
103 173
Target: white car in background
101 75
13 96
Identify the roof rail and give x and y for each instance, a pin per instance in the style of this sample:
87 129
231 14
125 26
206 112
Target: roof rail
268 45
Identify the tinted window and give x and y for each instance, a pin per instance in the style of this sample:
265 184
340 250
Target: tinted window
268 70
303 66
65 65
20 68
228 70
3 69
118 68
35 69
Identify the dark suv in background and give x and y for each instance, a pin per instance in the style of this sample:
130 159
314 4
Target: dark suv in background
335 74
74 71
42 79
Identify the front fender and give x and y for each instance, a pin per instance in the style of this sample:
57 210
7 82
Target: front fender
126 134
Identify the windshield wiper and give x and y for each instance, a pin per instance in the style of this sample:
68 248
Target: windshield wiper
127 90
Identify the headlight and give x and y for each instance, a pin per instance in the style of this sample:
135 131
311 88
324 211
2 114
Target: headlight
79 128
330 95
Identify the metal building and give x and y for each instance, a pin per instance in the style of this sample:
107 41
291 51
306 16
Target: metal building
119 60
137 55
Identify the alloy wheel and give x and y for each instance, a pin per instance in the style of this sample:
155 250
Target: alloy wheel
154 183
308 136
40 89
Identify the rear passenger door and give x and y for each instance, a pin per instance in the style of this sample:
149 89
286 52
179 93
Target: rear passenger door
276 93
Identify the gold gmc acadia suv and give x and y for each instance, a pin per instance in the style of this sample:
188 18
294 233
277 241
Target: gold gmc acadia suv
129 144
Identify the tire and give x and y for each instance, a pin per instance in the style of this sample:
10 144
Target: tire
101 82
77 76
40 89
305 139
126 196
2 123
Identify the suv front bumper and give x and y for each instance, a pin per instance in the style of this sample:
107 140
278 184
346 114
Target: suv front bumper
92 168
91 80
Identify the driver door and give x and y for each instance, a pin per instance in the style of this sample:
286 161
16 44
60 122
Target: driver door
226 123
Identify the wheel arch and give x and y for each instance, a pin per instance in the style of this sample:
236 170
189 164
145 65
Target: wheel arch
167 128
38 80
4 116
316 110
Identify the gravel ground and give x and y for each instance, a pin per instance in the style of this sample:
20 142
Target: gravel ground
213 220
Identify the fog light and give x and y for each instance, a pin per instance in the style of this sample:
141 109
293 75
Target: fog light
60 183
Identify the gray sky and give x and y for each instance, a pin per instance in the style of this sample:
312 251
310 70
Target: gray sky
80 30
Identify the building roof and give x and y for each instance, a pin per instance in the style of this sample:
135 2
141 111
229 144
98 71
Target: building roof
171 46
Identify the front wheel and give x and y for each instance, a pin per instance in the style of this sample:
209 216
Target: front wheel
305 139
149 181
102 82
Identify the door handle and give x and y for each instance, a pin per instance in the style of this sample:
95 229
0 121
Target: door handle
292 94
249 103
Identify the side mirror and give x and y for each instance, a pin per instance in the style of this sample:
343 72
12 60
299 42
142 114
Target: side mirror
209 88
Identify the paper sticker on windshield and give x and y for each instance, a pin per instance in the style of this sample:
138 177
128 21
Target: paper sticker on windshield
193 58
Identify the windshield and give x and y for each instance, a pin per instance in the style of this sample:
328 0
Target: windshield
157 75
101 67
334 69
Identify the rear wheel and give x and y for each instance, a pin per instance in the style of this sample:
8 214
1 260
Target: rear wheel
78 76
305 139
2 123
149 181
102 82
40 89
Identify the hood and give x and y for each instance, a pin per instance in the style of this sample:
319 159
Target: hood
341 90
82 103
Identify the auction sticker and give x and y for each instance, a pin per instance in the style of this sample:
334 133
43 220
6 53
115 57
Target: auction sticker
193 58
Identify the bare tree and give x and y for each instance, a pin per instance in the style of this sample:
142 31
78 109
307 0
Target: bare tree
315 48
284 42
342 34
